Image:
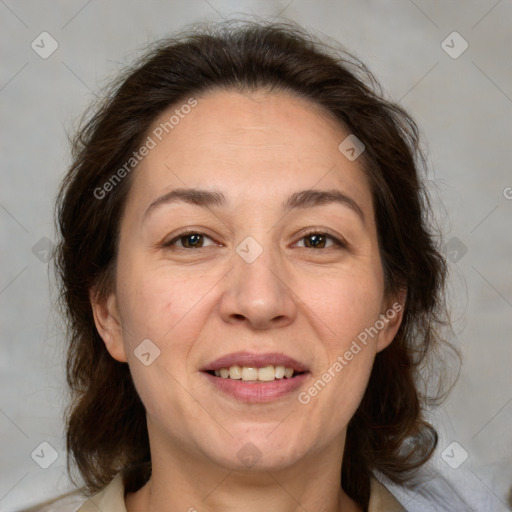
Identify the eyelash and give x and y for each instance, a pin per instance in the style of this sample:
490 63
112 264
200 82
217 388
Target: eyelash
338 243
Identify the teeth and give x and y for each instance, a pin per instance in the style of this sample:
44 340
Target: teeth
266 373
280 371
248 373
235 372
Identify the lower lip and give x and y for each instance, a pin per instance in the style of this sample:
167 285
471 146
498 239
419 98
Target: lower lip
257 392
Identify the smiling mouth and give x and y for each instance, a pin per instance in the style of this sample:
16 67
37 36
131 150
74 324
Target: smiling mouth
249 374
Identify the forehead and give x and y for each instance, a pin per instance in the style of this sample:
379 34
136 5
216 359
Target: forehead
249 143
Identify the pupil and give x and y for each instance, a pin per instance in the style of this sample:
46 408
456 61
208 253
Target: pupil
194 237
318 239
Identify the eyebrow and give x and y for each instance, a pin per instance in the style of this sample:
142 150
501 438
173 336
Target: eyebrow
210 198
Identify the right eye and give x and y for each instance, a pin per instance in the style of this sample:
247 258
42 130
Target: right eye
188 240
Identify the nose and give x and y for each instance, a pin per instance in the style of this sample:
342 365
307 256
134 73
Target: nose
258 293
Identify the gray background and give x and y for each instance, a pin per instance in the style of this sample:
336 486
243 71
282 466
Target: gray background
463 106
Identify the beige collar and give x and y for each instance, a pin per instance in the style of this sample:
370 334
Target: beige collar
381 500
111 499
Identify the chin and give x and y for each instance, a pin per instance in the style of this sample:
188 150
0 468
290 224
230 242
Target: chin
258 450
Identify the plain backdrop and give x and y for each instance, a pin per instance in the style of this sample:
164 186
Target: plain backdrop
461 98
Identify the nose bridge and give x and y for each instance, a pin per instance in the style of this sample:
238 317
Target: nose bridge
257 289
258 267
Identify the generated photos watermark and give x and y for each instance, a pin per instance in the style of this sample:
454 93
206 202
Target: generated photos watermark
304 397
151 142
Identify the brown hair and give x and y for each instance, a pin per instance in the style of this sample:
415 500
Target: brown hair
106 424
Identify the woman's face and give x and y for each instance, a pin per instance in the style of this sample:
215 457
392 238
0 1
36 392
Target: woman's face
276 274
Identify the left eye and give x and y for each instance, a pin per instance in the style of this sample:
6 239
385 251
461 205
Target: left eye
319 240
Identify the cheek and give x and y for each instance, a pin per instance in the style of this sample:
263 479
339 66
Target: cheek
349 307
168 308
158 304
163 308
336 391
348 303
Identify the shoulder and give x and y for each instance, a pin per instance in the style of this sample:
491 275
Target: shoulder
70 502
110 499
428 492
381 500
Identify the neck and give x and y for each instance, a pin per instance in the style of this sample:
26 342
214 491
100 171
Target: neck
188 483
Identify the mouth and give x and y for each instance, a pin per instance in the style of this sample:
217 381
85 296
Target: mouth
256 377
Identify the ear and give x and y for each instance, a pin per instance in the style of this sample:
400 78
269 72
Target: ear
391 315
108 324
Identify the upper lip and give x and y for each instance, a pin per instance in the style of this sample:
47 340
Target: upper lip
253 360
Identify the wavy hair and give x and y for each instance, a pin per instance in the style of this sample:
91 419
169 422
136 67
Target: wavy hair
106 421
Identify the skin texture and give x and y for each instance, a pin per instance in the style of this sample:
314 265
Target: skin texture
197 304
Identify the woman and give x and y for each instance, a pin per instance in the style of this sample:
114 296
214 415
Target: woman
250 279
